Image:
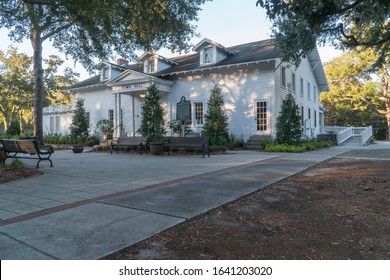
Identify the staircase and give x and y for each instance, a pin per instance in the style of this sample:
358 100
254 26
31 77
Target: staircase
253 143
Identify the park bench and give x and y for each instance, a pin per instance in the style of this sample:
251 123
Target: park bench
29 148
138 142
188 142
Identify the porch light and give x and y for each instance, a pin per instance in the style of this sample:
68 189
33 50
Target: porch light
142 94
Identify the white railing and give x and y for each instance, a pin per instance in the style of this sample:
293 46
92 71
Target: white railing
366 135
344 133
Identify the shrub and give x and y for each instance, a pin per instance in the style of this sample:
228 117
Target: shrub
17 164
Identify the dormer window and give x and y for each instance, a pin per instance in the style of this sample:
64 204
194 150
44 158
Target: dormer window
208 55
150 65
105 73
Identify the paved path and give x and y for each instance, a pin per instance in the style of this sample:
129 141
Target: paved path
92 204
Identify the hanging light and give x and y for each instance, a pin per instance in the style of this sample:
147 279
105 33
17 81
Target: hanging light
142 94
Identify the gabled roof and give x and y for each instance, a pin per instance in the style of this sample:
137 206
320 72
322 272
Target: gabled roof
254 52
149 54
113 65
246 53
207 42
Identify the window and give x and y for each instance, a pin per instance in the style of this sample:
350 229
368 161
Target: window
308 113
315 118
57 129
303 115
314 94
301 84
261 116
208 55
51 125
150 65
293 83
105 73
111 116
283 77
198 106
308 91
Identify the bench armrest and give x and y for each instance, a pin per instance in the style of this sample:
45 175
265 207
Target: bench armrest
46 148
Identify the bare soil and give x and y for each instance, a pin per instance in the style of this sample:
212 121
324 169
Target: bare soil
339 209
8 173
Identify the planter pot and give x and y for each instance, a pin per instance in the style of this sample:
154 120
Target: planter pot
77 149
156 148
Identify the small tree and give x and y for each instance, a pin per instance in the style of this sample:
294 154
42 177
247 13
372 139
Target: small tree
80 125
216 126
152 124
288 123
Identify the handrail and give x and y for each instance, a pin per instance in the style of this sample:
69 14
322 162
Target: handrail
344 135
366 135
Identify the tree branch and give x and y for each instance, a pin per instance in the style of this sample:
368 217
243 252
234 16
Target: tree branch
55 31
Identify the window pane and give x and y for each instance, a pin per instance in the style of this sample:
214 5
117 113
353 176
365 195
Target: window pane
198 112
261 116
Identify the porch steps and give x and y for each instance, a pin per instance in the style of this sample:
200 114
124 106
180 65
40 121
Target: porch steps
253 143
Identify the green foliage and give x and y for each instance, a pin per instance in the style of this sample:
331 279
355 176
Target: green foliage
298 148
358 93
176 127
235 143
216 126
14 128
299 24
17 164
80 125
85 30
152 124
58 139
105 126
288 123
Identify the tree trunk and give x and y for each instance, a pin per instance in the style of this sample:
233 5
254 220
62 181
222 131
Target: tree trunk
22 125
38 85
385 92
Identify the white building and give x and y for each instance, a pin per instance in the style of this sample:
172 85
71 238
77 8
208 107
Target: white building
253 79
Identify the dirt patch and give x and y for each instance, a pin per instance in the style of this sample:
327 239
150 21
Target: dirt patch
8 174
339 209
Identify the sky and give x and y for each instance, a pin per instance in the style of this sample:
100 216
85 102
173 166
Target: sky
228 22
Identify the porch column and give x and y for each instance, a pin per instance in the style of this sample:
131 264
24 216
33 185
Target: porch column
119 115
115 115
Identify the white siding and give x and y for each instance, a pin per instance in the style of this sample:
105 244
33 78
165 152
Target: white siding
241 87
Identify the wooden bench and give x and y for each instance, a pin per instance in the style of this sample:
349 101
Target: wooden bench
136 142
188 142
14 147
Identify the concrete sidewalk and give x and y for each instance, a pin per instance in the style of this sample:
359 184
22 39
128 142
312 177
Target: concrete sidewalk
92 204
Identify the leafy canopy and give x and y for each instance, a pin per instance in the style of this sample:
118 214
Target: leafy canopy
87 29
347 24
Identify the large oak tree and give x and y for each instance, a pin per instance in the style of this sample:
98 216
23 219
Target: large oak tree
84 30
299 24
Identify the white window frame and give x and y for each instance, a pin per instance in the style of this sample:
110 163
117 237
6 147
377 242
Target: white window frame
314 93
283 79
195 120
204 53
267 117
302 89
308 91
293 82
105 73
150 65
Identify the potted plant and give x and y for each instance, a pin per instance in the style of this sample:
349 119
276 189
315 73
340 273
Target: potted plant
152 125
105 127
